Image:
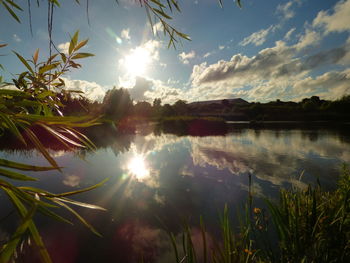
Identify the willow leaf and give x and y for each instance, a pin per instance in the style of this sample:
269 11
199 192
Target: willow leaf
24 167
12 13
82 55
77 203
12 127
15 175
10 247
60 136
25 63
82 190
42 149
32 228
79 217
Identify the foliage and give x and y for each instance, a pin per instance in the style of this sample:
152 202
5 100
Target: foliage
309 225
117 104
32 100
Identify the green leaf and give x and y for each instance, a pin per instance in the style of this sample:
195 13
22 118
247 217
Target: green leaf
32 228
49 67
25 63
161 12
60 136
34 139
12 127
10 247
11 2
36 55
12 13
82 55
15 175
77 203
73 42
82 190
79 217
158 3
81 44
24 167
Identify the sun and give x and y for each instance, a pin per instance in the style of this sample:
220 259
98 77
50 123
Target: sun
137 167
137 62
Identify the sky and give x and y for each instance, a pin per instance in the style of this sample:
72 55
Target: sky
266 50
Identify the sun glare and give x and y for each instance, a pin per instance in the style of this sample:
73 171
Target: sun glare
137 167
137 61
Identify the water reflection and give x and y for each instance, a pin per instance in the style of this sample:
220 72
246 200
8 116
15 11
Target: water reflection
158 180
137 167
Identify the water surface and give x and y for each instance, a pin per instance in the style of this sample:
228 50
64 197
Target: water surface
157 181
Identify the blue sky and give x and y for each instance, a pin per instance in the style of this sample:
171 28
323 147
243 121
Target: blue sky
265 51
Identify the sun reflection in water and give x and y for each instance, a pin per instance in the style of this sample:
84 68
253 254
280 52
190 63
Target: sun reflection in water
137 167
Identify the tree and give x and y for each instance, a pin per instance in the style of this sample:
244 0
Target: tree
180 107
117 103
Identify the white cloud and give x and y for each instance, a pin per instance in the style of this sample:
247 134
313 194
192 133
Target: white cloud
92 90
288 35
125 34
145 89
286 10
221 47
272 73
157 27
63 47
186 57
207 54
335 21
310 38
258 38
71 180
16 38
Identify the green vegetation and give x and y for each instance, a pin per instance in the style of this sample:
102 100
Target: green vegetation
309 225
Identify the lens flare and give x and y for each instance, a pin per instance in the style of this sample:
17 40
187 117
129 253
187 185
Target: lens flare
138 168
137 61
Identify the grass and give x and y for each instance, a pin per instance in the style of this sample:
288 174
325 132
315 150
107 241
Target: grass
312 225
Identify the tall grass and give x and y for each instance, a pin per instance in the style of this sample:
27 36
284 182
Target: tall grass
309 225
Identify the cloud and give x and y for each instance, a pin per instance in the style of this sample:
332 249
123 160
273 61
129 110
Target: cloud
16 38
186 57
149 89
258 38
336 20
288 35
125 34
207 54
92 90
286 10
331 85
272 73
71 180
221 47
141 86
63 47
310 37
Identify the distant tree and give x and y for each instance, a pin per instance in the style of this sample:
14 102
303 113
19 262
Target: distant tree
167 110
143 109
157 103
117 103
180 107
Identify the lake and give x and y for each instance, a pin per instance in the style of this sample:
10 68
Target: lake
157 181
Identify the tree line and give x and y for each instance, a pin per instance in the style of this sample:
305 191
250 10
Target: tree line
117 104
